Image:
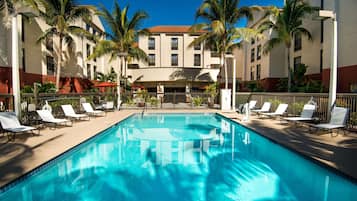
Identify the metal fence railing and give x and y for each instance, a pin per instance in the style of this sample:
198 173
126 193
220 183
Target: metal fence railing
297 100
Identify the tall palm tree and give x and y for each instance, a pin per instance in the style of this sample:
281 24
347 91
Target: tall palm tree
61 15
287 23
220 18
121 40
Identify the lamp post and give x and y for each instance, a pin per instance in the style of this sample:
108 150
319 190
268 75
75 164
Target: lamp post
323 15
121 55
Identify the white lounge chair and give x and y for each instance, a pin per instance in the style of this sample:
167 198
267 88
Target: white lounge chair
280 110
47 117
265 108
10 123
252 104
70 113
338 119
89 110
306 114
109 106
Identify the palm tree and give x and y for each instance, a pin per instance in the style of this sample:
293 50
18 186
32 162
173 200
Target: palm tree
121 40
61 15
287 23
220 18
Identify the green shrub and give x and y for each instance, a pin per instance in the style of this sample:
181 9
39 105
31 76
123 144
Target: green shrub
297 107
27 89
153 101
353 118
274 103
48 87
197 101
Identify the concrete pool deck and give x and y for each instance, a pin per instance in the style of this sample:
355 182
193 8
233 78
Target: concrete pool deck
27 152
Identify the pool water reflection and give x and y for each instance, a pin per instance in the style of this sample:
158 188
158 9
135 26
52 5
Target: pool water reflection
193 157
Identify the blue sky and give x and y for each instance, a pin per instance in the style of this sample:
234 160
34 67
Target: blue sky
171 12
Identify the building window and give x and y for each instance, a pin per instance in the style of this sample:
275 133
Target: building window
95 72
22 29
322 4
94 32
322 32
151 44
258 71
23 60
297 42
259 52
174 43
252 73
88 50
197 60
88 71
49 43
321 60
87 27
197 46
297 62
174 60
95 59
50 62
252 55
253 41
151 59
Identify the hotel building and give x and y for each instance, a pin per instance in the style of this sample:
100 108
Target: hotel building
173 63
316 54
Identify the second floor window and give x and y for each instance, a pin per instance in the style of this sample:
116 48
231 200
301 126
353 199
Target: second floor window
50 65
87 27
258 72
95 59
197 60
174 60
88 50
197 46
297 62
252 54
95 72
297 42
174 43
151 45
88 71
151 59
49 44
252 73
259 52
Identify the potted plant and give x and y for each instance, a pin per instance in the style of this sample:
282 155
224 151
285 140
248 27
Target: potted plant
212 91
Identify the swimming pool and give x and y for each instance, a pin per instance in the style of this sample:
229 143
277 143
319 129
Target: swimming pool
193 157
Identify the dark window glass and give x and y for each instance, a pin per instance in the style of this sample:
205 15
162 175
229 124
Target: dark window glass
197 60
253 41
174 60
252 55
297 42
259 52
23 60
252 73
322 32
151 45
197 47
258 72
88 50
151 59
49 44
88 27
95 72
321 60
95 59
297 62
88 71
174 43
50 65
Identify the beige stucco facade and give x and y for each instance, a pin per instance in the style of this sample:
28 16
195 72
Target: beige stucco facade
33 55
163 68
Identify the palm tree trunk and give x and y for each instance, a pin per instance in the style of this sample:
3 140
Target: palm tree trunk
224 66
59 64
289 71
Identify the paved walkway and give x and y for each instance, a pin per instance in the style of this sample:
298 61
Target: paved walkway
28 152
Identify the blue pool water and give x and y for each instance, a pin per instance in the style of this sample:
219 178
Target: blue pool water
180 157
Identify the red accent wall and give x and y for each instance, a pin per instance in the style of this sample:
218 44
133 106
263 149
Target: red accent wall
345 77
67 84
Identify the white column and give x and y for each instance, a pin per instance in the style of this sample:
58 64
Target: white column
15 66
333 69
118 82
234 85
